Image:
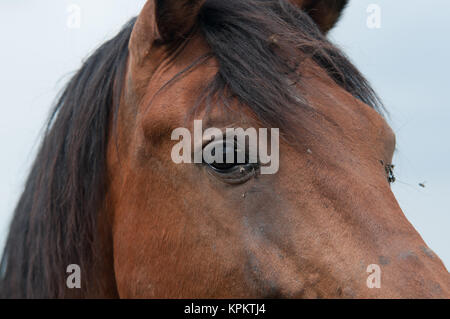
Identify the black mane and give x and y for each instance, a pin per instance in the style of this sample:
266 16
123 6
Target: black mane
55 221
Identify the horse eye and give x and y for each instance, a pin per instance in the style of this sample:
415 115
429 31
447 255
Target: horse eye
224 165
229 151
237 169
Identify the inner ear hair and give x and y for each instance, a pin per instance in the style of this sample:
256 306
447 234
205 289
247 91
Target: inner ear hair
176 18
325 13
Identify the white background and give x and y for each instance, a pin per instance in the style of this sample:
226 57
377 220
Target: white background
406 60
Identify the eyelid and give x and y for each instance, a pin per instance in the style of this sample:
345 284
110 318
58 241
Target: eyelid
205 141
234 176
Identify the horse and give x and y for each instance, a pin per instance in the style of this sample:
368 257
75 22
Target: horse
103 193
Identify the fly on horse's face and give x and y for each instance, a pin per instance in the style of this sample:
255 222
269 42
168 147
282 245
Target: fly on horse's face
310 230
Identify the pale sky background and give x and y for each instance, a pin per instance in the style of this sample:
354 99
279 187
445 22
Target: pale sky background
407 61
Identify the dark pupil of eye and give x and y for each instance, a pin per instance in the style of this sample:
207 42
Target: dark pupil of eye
227 149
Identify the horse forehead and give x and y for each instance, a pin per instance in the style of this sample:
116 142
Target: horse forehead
175 86
348 116
165 107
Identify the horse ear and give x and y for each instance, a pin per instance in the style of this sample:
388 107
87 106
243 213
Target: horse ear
325 13
175 18
162 22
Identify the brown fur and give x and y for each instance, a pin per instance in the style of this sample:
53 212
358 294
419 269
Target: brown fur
309 231
105 193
